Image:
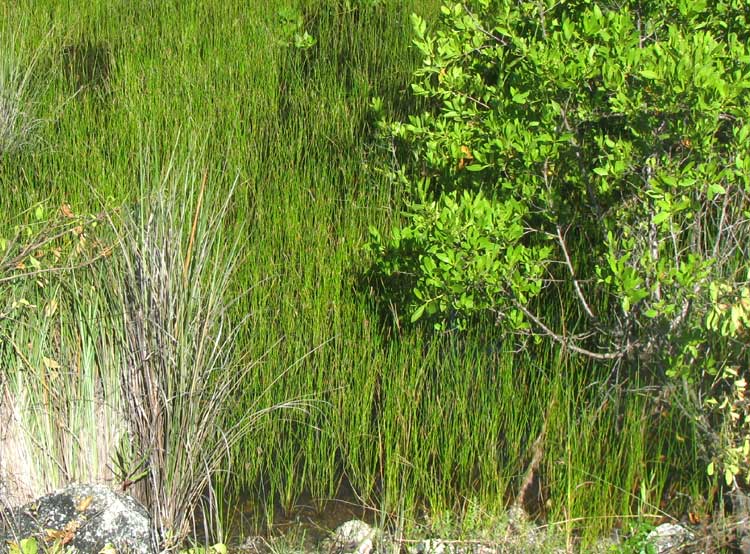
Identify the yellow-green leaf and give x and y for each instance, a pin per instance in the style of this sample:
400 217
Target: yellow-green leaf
50 308
418 313
728 476
49 363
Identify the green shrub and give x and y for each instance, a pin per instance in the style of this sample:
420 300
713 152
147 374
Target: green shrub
587 155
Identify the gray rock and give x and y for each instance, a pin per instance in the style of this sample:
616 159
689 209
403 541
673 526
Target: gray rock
433 546
741 505
83 518
443 546
352 537
669 538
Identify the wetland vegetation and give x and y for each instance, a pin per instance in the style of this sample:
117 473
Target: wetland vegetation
196 208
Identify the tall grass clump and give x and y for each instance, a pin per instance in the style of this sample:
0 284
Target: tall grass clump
18 124
180 372
60 412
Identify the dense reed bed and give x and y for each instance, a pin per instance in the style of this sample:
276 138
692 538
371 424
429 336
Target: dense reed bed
410 420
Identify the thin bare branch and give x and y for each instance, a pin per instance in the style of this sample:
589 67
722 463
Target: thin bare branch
576 284
56 269
566 342
481 29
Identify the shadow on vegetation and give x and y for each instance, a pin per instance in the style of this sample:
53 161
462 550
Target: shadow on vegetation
352 43
88 65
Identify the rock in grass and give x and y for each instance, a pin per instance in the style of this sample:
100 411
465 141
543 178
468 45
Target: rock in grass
351 537
87 519
433 546
669 537
441 546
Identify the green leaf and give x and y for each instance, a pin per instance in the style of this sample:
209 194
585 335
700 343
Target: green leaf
374 233
661 217
715 189
304 41
728 476
520 98
419 25
649 74
418 313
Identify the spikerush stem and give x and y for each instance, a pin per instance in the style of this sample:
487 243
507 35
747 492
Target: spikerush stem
198 206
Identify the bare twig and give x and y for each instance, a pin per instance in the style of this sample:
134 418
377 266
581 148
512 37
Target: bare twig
576 284
566 342
482 29
42 240
56 269
720 232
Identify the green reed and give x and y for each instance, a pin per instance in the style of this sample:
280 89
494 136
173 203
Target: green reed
409 420
60 403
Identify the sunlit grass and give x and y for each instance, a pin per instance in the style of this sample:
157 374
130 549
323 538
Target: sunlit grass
60 401
18 95
411 421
